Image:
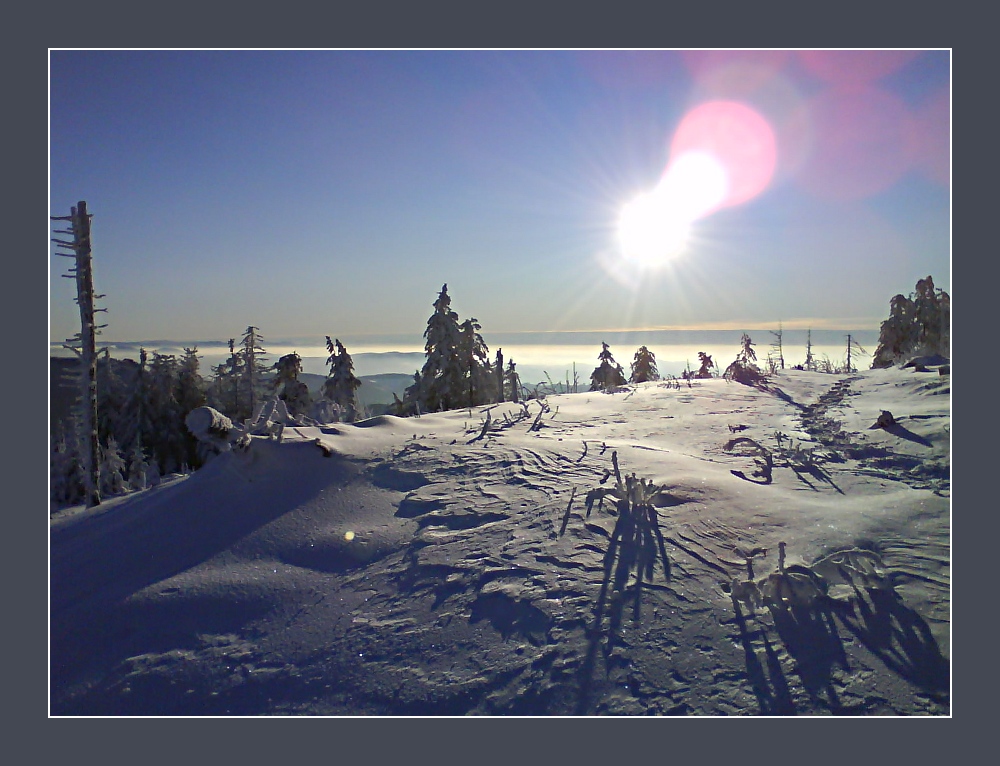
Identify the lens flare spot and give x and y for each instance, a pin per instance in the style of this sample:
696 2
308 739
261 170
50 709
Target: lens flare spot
738 138
348 536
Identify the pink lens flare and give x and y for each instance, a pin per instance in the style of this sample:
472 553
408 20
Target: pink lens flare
738 138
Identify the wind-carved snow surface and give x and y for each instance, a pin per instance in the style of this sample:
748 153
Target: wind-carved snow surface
478 562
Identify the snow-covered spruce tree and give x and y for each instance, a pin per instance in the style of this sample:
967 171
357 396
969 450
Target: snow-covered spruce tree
705 370
441 379
933 308
138 468
128 428
608 374
897 335
287 386
512 382
190 395
644 366
67 480
190 384
224 389
341 385
917 326
254 368
744 368
164 436
113 470
480 381
410 403
113 393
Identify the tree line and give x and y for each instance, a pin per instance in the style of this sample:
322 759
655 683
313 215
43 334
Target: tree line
142 405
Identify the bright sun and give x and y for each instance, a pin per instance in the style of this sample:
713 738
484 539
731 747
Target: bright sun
649 232
655 227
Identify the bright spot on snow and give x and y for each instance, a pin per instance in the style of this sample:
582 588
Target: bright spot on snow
348 536
655 226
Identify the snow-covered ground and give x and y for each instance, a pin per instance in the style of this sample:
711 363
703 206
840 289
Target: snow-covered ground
461 562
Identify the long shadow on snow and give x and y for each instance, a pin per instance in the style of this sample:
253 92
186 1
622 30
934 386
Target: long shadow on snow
770 688
635 544
96 564
899 637
810 635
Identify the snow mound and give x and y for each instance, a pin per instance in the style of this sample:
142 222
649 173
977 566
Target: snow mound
482 561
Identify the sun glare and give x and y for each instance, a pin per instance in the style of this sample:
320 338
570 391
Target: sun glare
655 227
722 154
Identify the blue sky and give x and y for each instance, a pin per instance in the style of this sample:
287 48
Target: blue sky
316 193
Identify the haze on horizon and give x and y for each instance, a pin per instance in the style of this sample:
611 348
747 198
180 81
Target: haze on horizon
333 192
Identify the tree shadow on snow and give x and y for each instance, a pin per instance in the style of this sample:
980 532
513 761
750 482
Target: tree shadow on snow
899 637
811 638
629 563
770 687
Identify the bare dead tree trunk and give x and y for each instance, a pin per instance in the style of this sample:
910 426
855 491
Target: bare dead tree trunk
87 339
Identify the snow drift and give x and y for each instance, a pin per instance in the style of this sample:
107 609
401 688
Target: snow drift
462 562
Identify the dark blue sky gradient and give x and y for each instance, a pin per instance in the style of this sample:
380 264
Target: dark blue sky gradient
333 192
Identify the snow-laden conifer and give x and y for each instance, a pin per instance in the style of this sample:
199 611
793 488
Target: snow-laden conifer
644 366
744 368
480 382
608 374
287 386
917 326
254 368
341 385
113 469
67 479
512 382
705 365
441 379
138 468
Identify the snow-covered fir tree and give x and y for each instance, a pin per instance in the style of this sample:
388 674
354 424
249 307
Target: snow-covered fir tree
113 469
897 334
164 436
115 393
705 365
223 392
933 309
190 384
66 470
190 395
644 366
480 381
254 368
441 379
512 382
138 468
341 385
287 386
917 326
744 368
608 374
